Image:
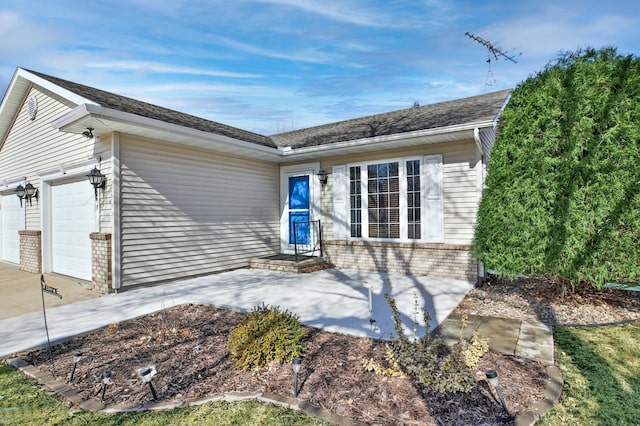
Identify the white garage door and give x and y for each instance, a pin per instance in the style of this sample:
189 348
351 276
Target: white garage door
12 221
72 220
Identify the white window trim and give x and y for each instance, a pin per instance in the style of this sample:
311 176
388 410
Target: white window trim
402 176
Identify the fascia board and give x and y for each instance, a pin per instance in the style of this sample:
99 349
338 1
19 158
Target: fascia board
89 111
383 142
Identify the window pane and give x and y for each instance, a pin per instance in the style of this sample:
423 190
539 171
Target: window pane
355 201
413 199
384 200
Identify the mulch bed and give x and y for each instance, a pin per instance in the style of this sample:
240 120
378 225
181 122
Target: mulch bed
187 344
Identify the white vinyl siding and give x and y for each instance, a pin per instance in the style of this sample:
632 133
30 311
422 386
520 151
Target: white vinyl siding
189 212
34 147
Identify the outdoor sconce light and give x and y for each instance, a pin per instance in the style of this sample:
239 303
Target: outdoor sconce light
323 177
296 370
21 193
492 377
77 354
146 374
30 192
106 381
88 133
97 179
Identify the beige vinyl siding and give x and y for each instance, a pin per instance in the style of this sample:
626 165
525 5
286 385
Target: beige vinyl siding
34 147
461 195
186 212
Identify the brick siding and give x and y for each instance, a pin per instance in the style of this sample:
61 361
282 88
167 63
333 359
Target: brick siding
423 259
101 274
31 251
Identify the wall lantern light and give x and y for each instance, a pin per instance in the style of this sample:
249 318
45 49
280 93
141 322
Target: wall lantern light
21 193
296 370
31 192
26 192
323 177
97 179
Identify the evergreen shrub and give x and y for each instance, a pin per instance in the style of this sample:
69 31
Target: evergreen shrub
562 194
266 334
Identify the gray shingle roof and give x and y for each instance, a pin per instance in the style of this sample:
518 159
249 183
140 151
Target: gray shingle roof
457 112
144 109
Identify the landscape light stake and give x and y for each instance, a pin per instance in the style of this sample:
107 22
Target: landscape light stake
296 370
77 354
106 381
371 320
146 374
492 377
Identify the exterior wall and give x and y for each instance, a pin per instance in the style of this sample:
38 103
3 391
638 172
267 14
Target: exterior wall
33 148
435 260
101 270
31 251
461 168
188 212
35 152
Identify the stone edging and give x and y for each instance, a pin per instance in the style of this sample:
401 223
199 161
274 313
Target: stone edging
552 393
67 392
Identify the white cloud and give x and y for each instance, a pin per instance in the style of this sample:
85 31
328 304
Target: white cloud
341 11
154 67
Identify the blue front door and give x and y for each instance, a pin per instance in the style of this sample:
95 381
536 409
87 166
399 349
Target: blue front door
299 209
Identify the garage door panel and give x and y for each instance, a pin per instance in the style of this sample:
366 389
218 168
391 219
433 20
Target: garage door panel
11 221
72 221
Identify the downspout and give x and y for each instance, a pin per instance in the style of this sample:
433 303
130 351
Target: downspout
480 186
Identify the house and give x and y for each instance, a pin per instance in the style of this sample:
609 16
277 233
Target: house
180 196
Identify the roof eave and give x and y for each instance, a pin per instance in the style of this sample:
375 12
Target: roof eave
106 120
394 141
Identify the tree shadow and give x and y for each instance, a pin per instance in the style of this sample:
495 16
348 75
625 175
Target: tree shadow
610 397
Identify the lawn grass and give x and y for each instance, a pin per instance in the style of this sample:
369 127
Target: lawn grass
24 403
601 366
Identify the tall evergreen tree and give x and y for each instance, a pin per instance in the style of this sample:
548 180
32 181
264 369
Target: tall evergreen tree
562 193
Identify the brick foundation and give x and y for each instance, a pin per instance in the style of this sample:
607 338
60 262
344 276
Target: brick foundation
101 274
31 251
424 259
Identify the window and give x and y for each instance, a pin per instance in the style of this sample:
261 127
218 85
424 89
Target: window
390 195
383 191
413 200
355 201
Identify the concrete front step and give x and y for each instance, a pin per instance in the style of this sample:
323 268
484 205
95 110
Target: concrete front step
287 263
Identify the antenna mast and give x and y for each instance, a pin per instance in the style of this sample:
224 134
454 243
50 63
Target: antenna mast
492 50
496 51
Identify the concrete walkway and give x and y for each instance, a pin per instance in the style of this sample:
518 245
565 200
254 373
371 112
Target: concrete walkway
526 339
335 300
20 291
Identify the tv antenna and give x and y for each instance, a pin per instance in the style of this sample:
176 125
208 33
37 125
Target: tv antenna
494 51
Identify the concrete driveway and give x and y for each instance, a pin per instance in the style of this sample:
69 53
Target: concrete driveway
335 300
20 291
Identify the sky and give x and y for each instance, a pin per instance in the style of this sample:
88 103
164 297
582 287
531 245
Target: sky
271 66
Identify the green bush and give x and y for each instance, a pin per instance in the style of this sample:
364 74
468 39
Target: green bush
266 334
562 194
428 361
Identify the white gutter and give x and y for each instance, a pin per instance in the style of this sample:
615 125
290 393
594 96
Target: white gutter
476 137
380 140
91 111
